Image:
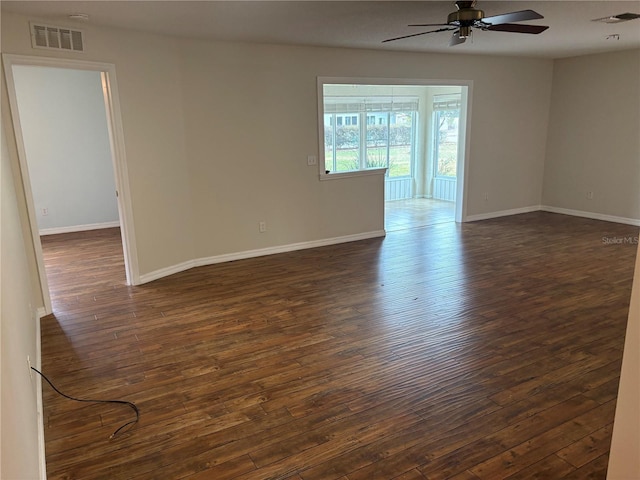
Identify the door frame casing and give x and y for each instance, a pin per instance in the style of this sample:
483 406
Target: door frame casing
116 140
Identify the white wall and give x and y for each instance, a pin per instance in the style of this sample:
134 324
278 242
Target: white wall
19 438
66 140
251 120
217 136
594 135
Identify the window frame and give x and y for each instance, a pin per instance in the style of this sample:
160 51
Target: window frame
362 122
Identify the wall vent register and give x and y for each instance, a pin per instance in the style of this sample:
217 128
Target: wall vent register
59 38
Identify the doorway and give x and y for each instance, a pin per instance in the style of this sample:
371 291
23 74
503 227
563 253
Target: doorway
433 196
415 130
64 130
68 132
438 165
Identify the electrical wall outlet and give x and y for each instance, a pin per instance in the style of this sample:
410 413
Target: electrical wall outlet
589 195
485 196
262 226
312 160
45 212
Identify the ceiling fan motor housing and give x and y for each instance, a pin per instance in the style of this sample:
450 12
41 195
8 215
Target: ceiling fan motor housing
465 18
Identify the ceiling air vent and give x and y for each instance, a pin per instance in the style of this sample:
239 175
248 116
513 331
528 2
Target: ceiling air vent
60 38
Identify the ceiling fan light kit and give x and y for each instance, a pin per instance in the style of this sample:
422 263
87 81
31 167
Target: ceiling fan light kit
467 17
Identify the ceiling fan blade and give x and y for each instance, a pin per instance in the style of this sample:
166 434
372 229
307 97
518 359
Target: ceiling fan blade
428 25
517 28
520 16
416 34
456 39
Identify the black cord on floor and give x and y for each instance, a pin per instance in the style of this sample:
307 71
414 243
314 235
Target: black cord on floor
121 402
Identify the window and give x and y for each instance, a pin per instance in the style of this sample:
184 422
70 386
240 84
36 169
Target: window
341 144
446 119
379 130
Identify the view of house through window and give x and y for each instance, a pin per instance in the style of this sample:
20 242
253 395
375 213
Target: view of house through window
368 131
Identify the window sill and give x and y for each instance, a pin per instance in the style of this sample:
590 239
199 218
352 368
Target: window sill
357 173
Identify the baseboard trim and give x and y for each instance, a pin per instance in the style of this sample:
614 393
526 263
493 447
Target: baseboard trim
39 403
501 213
288 248
591 215
550 209
78 228
260 252
165 272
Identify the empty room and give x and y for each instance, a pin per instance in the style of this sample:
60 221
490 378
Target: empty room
320 240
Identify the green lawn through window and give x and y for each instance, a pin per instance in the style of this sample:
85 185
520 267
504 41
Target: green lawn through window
348 159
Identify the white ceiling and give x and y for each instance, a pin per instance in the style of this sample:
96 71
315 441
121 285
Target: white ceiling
356 24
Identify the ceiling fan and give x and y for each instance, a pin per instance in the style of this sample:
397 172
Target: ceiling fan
468 17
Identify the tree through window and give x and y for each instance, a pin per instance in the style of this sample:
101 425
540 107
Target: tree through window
446 119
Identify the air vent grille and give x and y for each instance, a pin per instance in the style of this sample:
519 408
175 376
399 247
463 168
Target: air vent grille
60 38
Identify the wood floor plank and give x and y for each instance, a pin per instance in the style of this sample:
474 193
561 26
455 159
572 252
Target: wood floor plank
489 349
466 475
412 474
448 458
547 468
542 445
594 470
588 448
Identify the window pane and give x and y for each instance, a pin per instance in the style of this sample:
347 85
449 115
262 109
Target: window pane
400 144
377 144
359 120
447 141
347 147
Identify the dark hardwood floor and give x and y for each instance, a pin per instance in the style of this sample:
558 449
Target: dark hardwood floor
485 350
